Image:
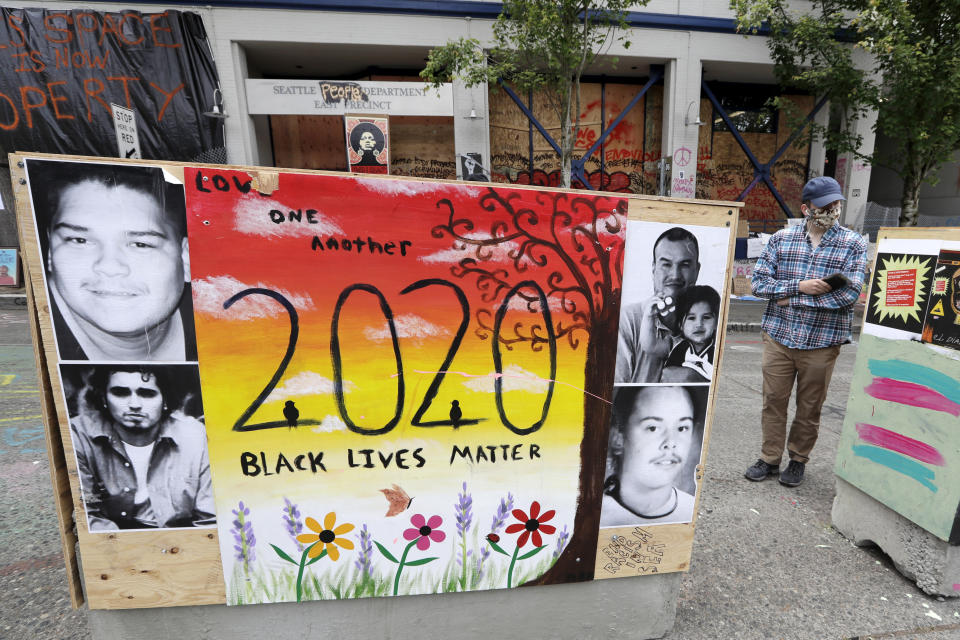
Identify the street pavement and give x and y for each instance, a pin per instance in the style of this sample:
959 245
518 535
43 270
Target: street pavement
766 562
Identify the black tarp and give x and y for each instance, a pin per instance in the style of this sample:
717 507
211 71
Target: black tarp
62 70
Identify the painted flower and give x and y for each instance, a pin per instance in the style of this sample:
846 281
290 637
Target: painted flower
533 525
325 537
426 530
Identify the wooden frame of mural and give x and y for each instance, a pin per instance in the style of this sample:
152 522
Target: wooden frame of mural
407 385
899 440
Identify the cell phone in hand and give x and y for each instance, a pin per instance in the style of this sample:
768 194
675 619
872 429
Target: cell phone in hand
836 280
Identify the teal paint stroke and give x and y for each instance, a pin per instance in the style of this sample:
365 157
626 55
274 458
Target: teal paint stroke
917 374
898 463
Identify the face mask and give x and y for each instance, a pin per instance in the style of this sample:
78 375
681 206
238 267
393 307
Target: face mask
824 218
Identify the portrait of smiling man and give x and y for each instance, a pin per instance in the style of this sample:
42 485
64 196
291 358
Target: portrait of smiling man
649 329
117 261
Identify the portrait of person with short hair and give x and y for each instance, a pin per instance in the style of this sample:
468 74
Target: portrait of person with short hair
661 264
656 434
116 258
140 445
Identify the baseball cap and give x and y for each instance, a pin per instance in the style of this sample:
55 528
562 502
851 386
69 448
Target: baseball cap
821 191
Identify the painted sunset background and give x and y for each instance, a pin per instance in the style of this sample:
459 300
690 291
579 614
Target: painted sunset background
236 245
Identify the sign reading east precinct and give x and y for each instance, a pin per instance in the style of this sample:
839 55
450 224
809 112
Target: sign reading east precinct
337 97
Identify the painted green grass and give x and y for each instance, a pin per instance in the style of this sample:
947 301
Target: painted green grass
268 584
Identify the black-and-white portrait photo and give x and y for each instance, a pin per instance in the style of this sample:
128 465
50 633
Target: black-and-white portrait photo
114 243
140 444
656 439
670 303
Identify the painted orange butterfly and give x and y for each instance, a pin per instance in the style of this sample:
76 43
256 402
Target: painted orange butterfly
398 499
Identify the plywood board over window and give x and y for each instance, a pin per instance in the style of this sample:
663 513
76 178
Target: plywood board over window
724 170
626 162
357 375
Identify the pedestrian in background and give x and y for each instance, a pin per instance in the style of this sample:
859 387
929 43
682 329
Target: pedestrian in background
811 275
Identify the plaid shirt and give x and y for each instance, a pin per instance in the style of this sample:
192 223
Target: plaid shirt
809 322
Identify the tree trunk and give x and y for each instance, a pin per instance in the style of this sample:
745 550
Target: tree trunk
566 141
577 561
909 202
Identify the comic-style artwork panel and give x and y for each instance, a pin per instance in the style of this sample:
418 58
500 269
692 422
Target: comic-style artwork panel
655 445
368 144
670 308
113 242
140 443
397 404
942 324
899 437
899 291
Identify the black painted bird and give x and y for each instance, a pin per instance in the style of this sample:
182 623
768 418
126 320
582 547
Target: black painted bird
291 413
455 413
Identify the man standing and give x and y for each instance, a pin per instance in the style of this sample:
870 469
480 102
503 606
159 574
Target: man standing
806 320
648 330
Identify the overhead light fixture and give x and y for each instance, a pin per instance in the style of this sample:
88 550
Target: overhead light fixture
217 110
472 115
686 118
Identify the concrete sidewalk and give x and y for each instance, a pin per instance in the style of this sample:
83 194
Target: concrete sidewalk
766 562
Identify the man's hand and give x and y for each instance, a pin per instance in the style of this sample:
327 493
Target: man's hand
783 302
813 287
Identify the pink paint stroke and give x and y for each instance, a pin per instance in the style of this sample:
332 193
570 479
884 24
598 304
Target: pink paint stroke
900 443
504 375
914 395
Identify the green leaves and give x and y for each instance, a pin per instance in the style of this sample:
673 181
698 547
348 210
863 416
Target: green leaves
283 555
542 47
899 58
417 563
386 553
530 554
497 547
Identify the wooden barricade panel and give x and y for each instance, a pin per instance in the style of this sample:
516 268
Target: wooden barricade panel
361 469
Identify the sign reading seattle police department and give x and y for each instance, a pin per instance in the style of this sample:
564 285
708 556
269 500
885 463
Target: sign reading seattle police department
337 97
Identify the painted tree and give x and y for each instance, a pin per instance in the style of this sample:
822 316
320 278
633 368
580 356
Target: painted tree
900 58
575 244
539 46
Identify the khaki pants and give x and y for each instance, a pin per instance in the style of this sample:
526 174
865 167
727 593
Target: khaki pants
811 369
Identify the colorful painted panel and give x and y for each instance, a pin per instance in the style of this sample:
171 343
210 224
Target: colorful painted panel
398 382
942 324
299 386
899 442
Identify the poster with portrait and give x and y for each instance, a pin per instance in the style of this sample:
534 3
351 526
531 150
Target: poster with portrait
654 447
9 267
900 288
377 406
670 307
112 242
368 144
942 323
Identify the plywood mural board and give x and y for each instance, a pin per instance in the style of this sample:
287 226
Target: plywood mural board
390 386
899 442
625 163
